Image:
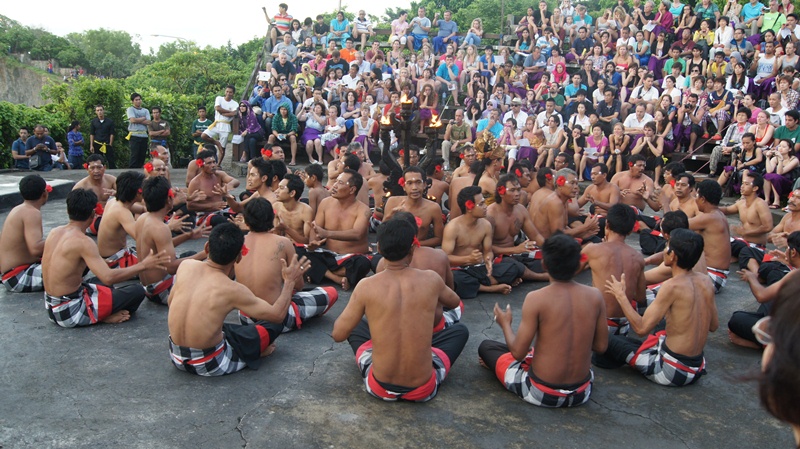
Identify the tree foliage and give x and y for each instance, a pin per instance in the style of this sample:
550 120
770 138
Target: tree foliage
109 53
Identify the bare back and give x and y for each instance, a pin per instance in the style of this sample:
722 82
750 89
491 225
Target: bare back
152 234
456 186
260 269
21 239
615 259
63 260
692 312
112 235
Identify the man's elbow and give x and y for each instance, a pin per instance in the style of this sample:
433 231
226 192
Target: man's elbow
600 346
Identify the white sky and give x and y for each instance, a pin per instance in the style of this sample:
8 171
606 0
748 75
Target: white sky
194 21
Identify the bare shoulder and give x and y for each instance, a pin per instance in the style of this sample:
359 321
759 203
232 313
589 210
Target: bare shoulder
485 225
109 179
80 184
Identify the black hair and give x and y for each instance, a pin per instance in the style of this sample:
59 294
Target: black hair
81 204
415 169
32 187
676 219
356 180
501 182
128 185
793 113
278 170
561 255
225 243
689 178
155 192
135 96
687 246
382 168
231 87
430 166
155 108
315 170
352 162
710 190
96 157
620 218
263 167
74 125
636 158
406 216
603 168
205 154
295 184
793 240
395 238
758 180
201 108
750 136
675 168
541 176
259 215
467 194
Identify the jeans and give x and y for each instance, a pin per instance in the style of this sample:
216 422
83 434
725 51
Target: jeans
472 39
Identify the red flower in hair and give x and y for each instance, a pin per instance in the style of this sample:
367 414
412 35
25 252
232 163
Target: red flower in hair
402 153
560 181
584 258
245 250
461 156
419 221
266 153
438 168
148 167
518 173
501 190
139 191
171 193
48 188
548 176
200 163
415 242
98 209
470 204
85 165
154 154
630 164
338 150
402 182
672 183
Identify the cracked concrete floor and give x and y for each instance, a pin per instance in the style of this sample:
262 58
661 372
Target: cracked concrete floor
114 386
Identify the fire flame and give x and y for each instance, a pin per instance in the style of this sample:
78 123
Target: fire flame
404 99
435 122
386 120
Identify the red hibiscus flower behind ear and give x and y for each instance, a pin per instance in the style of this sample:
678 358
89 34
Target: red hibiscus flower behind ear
561 181
148 167
470 204
501 190
200 163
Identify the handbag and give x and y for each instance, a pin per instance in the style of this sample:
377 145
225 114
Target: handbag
35 161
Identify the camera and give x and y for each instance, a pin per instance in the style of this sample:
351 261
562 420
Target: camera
736 150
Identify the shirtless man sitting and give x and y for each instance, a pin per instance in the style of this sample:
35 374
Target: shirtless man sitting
673 357
652 241
414 201
750 258
544 179
712 224
292 217
508 218
259 266
119 221
468 244
153 235
200 341
636 188
614 257
338 242
439 185
70 301
316 190
104 186
427 258
468 155
552 215
398 356
602 194
755 216
22 241
522 170
456 186
211 210
567 321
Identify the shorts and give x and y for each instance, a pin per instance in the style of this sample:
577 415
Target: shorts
304 306
92 303
158 292
24 278
356 266
718 277
655 361
221 132
468 279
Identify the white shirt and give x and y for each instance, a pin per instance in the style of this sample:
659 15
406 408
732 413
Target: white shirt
631 42
521 118
222 121
646 95
542 117
350 81
633 122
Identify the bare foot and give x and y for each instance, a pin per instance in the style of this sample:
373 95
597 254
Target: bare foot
739 341
345 284
482 363
516 282
118 317
497 288
270 349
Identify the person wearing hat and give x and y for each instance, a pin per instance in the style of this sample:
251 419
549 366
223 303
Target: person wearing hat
517 114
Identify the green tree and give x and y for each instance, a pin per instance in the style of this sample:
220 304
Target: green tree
108 52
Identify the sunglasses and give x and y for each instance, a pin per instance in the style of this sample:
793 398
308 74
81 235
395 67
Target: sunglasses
761 331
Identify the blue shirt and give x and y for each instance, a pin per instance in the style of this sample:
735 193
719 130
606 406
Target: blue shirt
271 104
19 147
496 130
571 90
751 12
444 73
72 137
44 156
446 28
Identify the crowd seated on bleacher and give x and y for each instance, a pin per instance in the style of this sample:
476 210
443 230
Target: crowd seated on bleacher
702 77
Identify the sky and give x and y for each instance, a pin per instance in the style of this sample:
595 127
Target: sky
181 19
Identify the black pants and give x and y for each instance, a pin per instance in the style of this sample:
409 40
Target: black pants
741 323
138 147
109 154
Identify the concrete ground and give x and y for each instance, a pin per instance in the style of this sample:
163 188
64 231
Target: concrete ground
114 386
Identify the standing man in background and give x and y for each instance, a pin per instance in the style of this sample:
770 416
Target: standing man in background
198 126
138 119
101 135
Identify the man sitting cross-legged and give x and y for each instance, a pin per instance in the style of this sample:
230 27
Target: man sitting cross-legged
200 341
211 208
152 234
614 257
568 321
397 354
755 216
673 357
414 201
118 221
468 244
508 218
338 241
552 215
103 185
427 258
261 262
70 301
21 242
292 217
712 225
